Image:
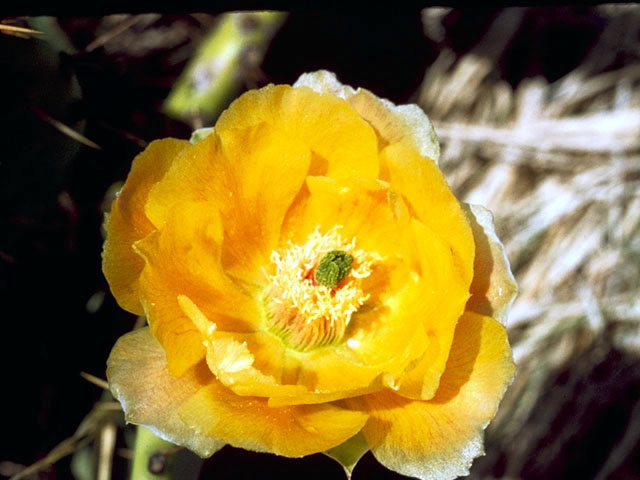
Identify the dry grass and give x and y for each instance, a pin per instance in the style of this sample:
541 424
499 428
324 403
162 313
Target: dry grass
559 165
97 428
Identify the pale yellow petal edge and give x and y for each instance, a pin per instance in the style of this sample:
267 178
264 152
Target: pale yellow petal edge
494 287
139 378
440 438
410 118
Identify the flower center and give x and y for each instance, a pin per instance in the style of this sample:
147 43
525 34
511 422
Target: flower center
316 288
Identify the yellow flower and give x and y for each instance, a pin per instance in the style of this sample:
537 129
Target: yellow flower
311 285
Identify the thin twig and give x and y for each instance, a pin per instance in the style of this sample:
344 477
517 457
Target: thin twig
66 130
95 380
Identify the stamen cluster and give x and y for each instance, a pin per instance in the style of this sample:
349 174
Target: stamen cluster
305 312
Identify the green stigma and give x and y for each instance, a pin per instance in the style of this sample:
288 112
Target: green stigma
333 268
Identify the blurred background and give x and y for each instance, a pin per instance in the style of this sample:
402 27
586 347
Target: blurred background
538 112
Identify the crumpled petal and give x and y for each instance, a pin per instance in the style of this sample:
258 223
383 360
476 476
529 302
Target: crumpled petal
247 363
439 316
439 438
198 412
128 223
424 187
250 176
248 422
493 288
150 396
184 257
393 123
343 143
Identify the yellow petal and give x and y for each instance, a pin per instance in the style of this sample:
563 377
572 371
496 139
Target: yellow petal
344 145
493 288
395 124
439 309
248 422
258 364
329 370
251 177
186 181
264 169
127 222
139 378
392 123
362 209
428 195
439 438
185 257
247 363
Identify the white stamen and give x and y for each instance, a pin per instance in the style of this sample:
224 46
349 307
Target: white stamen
313 314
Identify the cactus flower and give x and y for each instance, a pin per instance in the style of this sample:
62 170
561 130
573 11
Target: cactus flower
311 284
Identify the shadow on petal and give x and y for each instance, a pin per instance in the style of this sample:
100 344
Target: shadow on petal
493 288
440 438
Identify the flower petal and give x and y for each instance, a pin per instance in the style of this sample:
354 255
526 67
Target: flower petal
258 364
362 209
439 438
127 222
493 288
439 313
393 123
247 363
248 422
250 176
264 169
184 256
344 145
398 123
139 378
428 195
